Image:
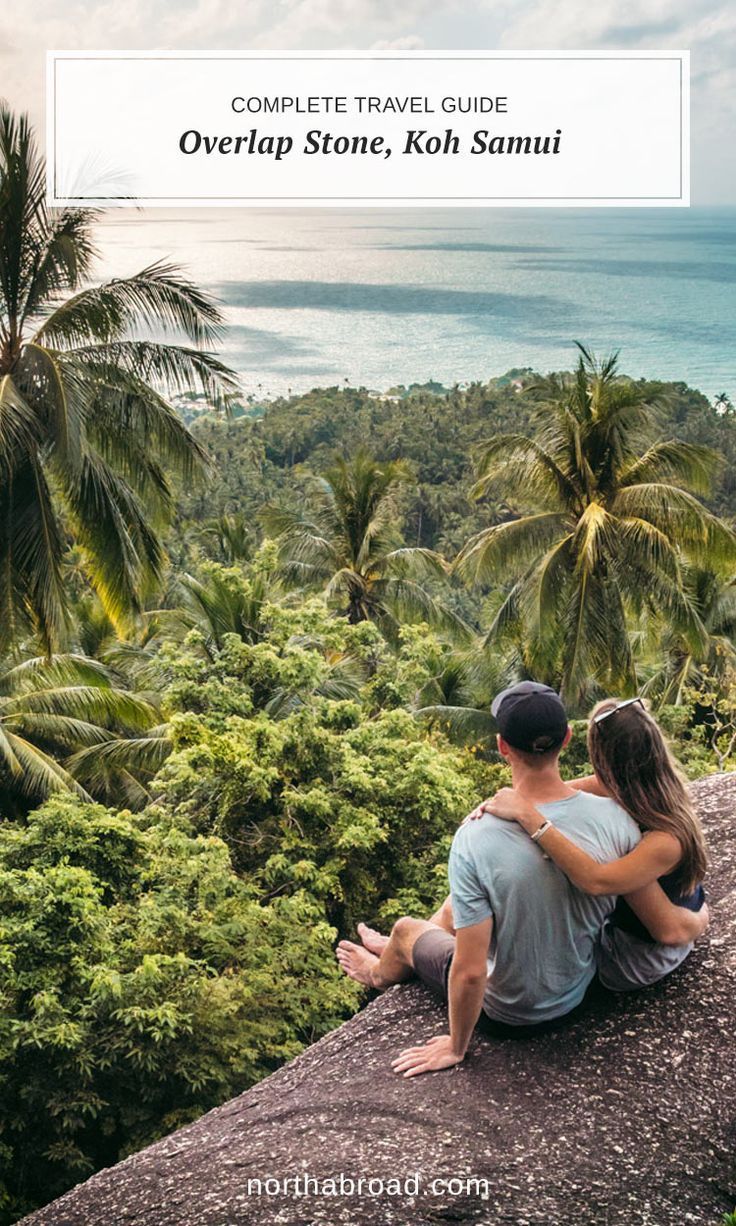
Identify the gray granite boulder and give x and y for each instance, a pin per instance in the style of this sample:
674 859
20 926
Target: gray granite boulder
625 1118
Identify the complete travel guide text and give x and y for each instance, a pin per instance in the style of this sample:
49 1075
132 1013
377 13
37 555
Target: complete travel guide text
367 104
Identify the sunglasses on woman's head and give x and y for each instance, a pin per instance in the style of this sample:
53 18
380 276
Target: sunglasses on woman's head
628 702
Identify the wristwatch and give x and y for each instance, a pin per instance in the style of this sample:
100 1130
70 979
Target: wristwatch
546 825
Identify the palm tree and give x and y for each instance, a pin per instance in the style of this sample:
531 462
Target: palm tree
458 697
232 537
722 403
118 771
608 513
350 547
227 601
52 710
86 432
224 601
678 668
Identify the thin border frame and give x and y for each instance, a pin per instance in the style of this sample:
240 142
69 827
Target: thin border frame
240 201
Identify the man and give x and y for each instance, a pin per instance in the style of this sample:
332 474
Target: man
515 941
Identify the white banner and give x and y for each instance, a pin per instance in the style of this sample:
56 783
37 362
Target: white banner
414 128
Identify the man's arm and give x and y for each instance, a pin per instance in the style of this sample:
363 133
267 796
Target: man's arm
467 984
667 923
466 987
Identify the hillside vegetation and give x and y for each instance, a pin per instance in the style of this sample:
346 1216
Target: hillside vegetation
246 667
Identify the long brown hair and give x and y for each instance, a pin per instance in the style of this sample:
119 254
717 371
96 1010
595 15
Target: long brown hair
633 761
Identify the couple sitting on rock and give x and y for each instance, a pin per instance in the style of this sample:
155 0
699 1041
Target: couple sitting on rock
555 887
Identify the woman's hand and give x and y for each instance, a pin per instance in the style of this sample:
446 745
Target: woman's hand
511 807
480 810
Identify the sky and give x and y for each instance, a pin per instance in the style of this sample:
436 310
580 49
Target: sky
28 28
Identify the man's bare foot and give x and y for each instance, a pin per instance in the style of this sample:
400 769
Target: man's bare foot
376 942
357 962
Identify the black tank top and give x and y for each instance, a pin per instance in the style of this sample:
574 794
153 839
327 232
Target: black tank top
623 917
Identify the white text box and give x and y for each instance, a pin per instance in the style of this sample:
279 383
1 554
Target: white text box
362 128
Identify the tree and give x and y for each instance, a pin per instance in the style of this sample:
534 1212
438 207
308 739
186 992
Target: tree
141 983
675 665
712 702
458 694
230 607
357 807
232 537
722 403
608 514
350 547
227 600
49 712
86 434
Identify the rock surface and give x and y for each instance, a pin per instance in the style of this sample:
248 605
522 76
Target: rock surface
625 1118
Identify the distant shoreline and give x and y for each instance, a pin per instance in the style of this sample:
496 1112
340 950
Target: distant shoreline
193 406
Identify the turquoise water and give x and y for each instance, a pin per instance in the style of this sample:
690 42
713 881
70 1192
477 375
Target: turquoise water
393 296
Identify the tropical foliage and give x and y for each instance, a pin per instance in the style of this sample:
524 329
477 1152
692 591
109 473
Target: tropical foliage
143 981
293 764
88 440
151 966
236 717
674 665
609 515
350 547
53 715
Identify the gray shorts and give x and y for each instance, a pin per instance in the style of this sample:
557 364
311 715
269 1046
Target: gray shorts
432 956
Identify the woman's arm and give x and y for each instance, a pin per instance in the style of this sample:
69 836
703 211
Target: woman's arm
664 920
589 783
655 855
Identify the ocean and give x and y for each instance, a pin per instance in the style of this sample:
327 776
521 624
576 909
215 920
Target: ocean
379 297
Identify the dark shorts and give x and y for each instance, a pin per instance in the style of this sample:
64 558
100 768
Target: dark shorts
432 956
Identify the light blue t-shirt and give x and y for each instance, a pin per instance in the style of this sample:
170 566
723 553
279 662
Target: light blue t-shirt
542 953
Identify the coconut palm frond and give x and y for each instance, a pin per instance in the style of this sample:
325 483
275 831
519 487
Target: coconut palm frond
608 523
52 709
347 546
40 775
87 435
466 725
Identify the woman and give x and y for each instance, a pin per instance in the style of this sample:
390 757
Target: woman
633 765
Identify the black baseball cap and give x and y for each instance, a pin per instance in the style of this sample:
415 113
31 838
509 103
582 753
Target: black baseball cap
531 717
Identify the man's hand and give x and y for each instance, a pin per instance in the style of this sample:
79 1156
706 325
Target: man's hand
430 1057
